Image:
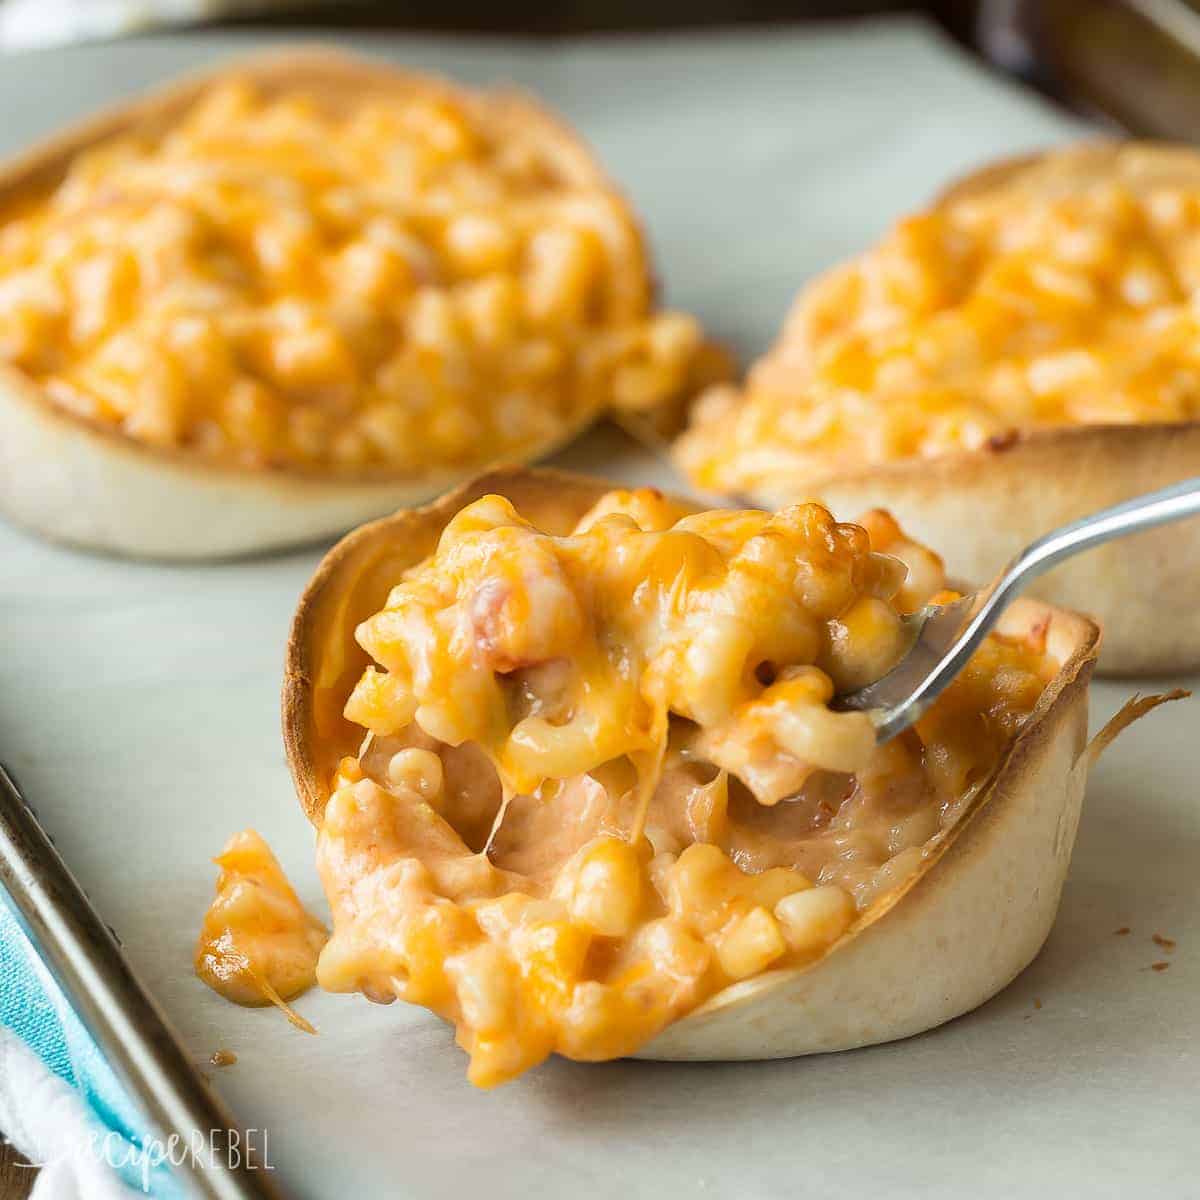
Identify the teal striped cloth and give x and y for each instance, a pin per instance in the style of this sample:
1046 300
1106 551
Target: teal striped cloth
33 1007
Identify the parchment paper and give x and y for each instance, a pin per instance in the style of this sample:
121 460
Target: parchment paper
138 705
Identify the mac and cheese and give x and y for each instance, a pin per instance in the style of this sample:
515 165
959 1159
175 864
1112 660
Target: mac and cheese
395 283
600 779
1062 296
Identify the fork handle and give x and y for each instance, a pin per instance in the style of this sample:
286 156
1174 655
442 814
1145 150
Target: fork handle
1168 504
1131 516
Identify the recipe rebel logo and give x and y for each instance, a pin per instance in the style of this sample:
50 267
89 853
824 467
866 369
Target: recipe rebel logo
139 1163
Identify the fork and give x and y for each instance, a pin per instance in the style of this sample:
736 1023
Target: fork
945 636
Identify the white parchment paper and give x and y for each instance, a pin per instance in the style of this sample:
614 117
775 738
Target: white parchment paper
138 705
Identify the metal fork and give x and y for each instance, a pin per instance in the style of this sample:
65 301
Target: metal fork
945 636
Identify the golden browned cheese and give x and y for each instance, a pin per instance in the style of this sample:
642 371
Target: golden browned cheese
600 780
258 944
1065 297
392 285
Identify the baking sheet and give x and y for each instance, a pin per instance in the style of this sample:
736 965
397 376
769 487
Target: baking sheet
139 707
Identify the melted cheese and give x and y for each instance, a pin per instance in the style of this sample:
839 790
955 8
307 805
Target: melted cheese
556 655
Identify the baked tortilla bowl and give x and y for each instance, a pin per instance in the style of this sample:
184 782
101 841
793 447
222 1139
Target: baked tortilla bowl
977 912
978 508
90 484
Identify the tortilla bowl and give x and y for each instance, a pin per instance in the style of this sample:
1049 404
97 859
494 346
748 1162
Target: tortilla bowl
975 914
